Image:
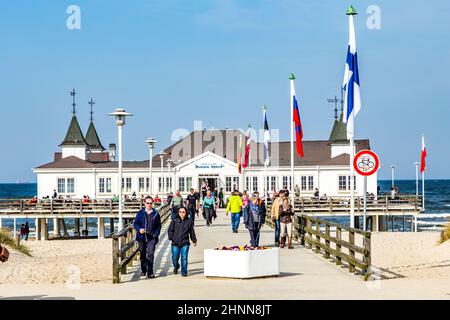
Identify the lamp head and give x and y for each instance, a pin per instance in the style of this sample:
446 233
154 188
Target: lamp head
151 142
120 115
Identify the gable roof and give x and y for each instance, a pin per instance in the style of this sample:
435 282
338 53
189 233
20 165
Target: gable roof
74 136
223 143
71 162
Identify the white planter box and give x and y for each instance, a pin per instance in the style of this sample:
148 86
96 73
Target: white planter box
241 264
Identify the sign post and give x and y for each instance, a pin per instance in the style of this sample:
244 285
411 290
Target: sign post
366 163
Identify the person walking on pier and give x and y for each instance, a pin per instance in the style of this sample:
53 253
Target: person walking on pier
179 232
234 206
254 217
175 204
148 226
192 204
209 207
221 199
274 210
245 202
286 213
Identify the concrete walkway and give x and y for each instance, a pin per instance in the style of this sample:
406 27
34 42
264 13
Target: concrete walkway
304 275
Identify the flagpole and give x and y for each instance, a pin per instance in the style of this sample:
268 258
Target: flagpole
423 178
352 174
250 186
265 159
292 77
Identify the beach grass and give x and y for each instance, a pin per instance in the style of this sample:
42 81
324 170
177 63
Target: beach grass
7 240
445 234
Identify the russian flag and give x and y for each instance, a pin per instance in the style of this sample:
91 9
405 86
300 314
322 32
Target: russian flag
296 119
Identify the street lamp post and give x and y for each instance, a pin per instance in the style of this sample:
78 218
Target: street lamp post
151 144
161 156
417 179
393 172
169 165
120 115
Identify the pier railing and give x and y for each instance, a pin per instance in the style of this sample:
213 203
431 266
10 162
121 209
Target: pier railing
305 205
54 206
125 248
345 245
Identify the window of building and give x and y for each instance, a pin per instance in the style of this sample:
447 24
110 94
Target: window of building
255 184
147 184
287 183
182 184
251 184
160 186
61 185
168 184
227 184
271 184
307 183
126 184
344 183
104 185
141 185
235 183
188 183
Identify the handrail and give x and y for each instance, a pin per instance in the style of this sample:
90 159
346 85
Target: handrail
309 230
125 247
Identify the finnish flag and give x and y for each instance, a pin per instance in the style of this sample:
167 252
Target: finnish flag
352 97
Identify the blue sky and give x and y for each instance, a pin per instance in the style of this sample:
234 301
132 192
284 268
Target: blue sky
175 61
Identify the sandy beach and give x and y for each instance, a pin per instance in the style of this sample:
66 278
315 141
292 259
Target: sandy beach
406 260
54 261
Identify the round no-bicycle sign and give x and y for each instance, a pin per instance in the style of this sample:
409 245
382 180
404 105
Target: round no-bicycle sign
366 162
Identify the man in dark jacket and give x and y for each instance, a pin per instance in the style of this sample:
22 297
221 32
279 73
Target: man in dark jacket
148 226
180 230
254 217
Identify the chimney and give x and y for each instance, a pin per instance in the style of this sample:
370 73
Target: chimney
112 151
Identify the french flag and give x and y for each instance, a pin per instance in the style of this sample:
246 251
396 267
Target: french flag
296 119
423 156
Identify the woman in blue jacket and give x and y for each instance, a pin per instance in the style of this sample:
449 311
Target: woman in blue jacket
254 217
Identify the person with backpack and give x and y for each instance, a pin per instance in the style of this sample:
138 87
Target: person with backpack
180 231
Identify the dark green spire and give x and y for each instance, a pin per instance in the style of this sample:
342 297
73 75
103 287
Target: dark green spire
339 131
351 11
74 136
92 139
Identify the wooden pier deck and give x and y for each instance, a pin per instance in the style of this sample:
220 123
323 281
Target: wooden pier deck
304 275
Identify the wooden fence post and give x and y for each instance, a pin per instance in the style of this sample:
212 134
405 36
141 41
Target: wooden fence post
351 266
327 240
309 237
338 246
115 260
317 237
